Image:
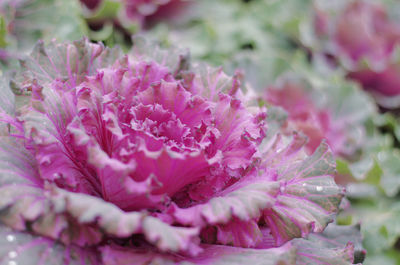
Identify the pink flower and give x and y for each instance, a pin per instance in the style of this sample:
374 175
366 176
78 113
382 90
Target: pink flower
139 158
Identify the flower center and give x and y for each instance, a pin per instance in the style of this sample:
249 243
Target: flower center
163 125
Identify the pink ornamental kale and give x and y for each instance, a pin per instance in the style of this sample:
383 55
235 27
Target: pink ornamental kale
138 159
322 109
365 39
304 116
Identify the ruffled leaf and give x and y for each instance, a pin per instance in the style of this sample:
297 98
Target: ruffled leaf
243 200
113 221
209 82
50 214
296 196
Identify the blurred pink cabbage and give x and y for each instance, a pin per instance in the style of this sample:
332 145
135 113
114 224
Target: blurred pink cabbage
304 116
364 38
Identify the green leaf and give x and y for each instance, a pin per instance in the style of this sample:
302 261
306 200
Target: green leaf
380 226
3 32
45 20
107 9
391 257
374 175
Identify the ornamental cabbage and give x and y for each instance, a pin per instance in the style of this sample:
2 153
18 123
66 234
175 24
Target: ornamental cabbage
322 107
143 159
304 116
364 38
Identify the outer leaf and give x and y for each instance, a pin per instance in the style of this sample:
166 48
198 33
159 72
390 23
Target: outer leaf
7 102
23 203
223 255
335 236
296 252
243 200
23 248
66 62
113 221
233 211
210 81
19 185
305 200
310 253
174 58
212 255
310 197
